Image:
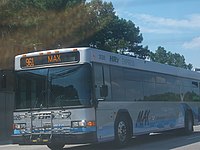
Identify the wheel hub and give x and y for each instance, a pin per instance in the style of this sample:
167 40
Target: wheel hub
122 131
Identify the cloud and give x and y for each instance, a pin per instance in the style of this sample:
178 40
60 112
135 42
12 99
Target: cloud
163 25
158 30
193 44
192 21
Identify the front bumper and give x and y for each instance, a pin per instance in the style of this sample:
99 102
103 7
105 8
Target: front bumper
44 139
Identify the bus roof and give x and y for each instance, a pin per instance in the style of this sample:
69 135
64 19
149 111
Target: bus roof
94 55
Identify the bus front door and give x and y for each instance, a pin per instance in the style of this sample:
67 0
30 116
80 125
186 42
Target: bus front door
104 111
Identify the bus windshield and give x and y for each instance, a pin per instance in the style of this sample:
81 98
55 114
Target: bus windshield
54 87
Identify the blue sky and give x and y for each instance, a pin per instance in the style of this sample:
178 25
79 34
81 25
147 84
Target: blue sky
173 24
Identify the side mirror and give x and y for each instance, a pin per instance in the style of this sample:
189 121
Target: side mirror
3 81
104 91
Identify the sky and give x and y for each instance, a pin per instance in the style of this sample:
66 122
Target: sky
172 24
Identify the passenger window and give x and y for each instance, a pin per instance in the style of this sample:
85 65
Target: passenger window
118 84
194 84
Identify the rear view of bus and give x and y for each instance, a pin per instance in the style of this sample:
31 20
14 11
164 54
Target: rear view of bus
53 99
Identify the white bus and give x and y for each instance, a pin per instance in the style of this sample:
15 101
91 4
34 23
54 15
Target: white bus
85 95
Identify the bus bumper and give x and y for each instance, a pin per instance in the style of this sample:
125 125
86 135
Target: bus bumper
44 139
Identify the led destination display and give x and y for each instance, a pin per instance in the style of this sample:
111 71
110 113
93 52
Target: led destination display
33 61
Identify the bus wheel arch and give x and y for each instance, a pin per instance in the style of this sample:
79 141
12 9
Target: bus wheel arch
123 128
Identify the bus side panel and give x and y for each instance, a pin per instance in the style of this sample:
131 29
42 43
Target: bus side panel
147 117
156 117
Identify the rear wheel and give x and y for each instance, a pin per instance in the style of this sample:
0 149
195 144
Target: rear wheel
188 123
122 131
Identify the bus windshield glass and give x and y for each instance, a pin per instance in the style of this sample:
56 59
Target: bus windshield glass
54 87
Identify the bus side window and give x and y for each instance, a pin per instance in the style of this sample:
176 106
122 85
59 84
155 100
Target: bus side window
195 91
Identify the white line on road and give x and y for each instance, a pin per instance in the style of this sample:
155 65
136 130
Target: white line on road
9 145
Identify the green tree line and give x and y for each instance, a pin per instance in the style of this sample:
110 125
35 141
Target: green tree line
27 25
167 57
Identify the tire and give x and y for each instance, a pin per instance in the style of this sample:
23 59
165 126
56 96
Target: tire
55 146
122 131
188 129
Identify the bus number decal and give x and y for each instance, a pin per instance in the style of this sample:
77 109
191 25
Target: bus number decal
143 118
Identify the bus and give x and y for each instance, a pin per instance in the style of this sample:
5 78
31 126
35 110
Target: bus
86 95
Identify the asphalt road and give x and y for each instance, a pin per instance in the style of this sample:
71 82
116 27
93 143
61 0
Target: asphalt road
167 141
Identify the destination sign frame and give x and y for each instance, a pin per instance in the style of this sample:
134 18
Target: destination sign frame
55 58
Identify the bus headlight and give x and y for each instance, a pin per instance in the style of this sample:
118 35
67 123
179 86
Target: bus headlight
19 126
82 123
77 124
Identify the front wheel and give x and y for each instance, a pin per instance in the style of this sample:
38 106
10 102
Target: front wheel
54 146
122 131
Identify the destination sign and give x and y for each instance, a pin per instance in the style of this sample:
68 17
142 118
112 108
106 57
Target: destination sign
69 57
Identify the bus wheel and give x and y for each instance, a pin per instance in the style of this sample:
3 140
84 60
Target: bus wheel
122 131
54 146
188 123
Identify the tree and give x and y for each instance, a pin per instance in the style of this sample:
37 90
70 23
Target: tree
42 4
27 25
112 33
162 56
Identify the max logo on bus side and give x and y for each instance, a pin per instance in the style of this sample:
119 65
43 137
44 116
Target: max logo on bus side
143 118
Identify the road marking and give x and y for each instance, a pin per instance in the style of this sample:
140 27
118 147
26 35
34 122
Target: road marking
9 145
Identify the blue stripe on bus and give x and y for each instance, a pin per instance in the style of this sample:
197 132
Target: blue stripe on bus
88 129
72 130
159 124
